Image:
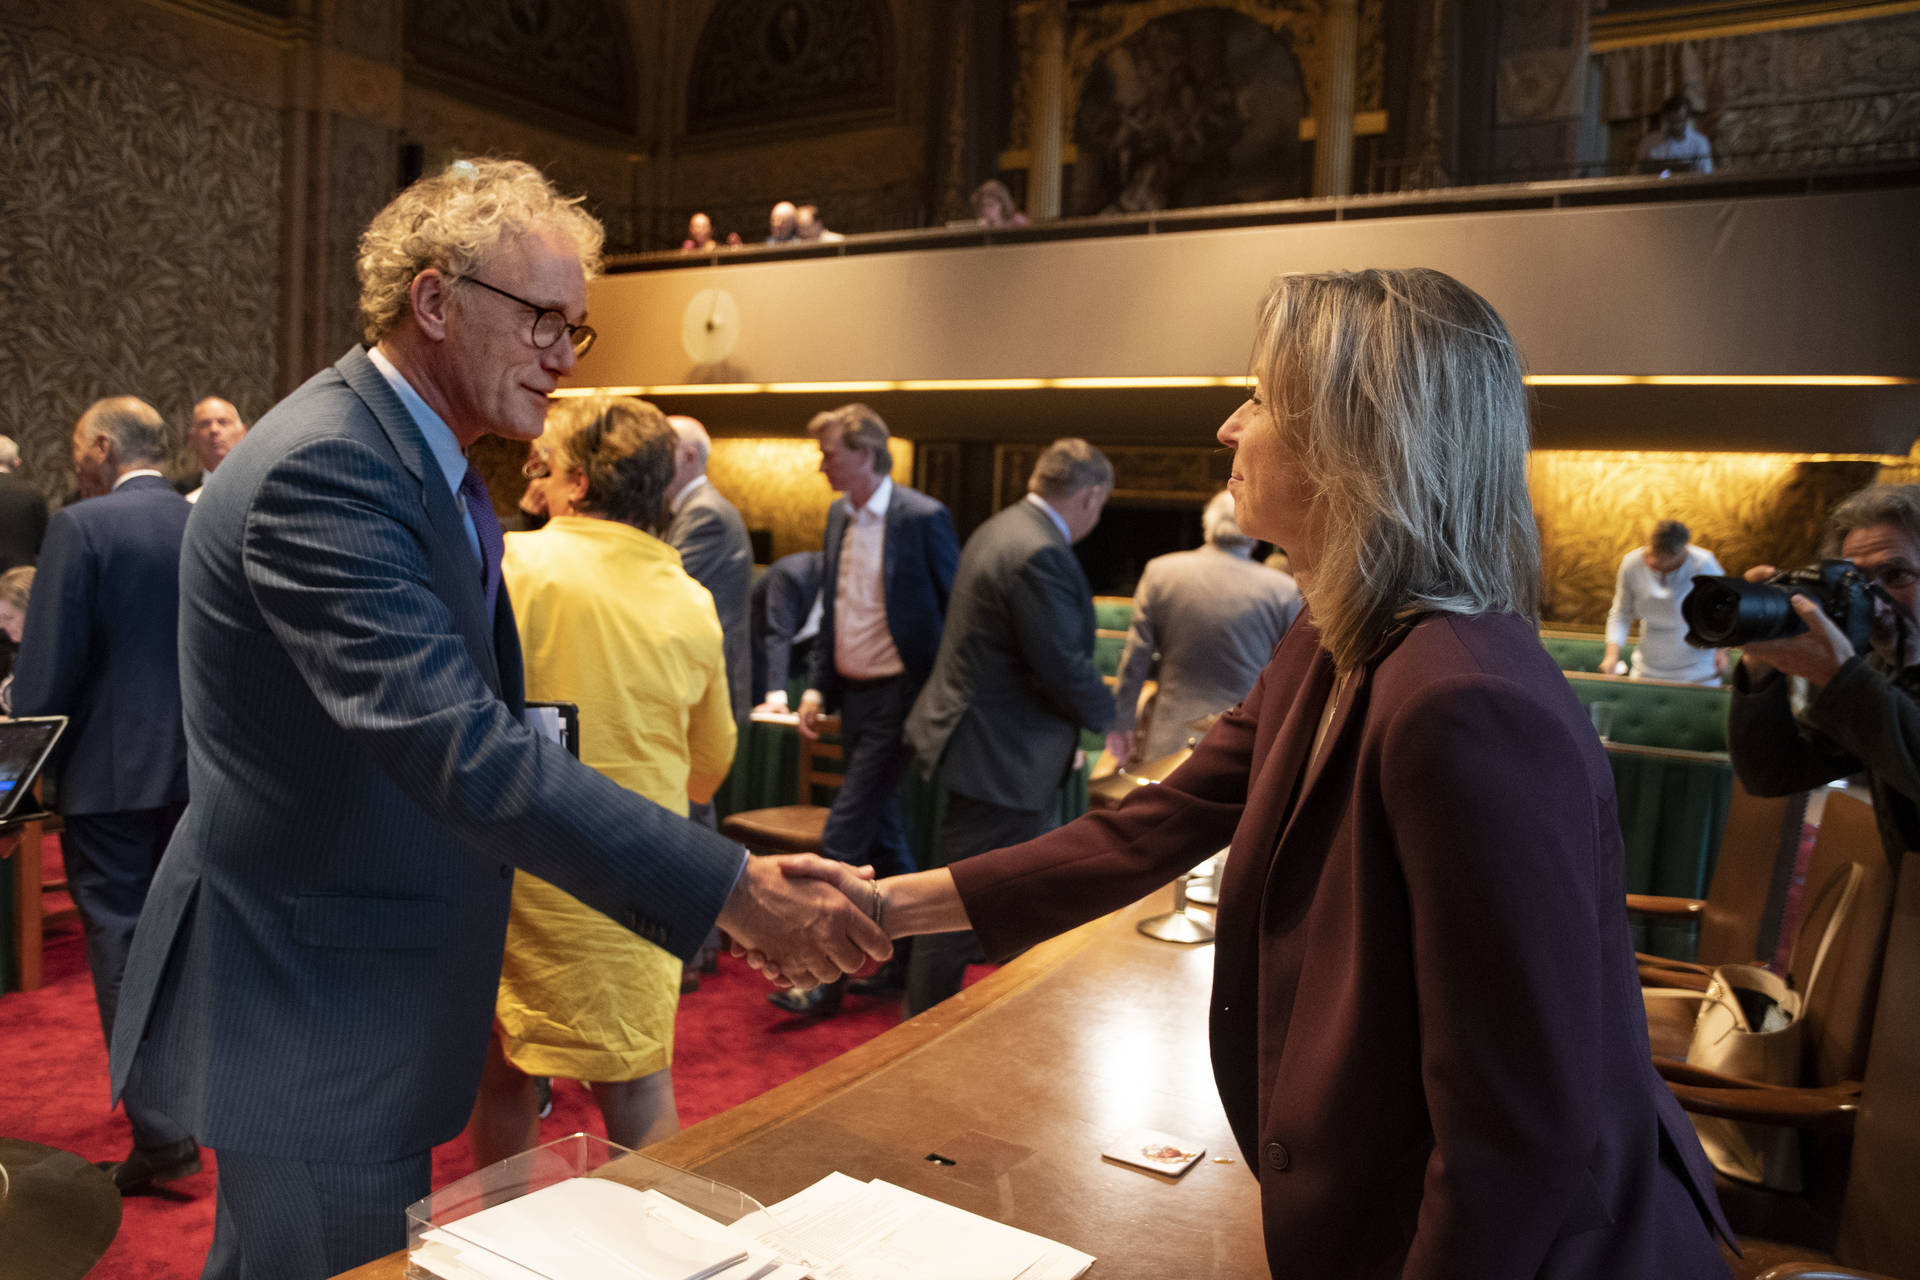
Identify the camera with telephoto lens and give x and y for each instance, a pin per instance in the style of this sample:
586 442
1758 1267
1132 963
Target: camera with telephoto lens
1730 612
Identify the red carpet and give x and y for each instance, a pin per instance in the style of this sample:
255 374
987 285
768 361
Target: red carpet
731 1046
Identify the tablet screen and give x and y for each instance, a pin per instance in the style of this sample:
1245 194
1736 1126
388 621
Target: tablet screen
24 744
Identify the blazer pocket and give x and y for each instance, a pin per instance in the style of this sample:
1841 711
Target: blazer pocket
371 924
1588 1210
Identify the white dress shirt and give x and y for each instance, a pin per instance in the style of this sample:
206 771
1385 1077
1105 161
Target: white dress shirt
862 643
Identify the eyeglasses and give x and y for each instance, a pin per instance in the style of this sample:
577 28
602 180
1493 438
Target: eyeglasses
537 466
1895 575
549 326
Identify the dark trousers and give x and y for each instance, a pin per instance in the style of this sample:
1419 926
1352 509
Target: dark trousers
939 961
282 1219
110 860
865 825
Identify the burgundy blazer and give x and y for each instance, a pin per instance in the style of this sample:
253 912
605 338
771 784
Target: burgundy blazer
1427 1028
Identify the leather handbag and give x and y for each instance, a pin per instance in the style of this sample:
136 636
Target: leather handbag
1752 1024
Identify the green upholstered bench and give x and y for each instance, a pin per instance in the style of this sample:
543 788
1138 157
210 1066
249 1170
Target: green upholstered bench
1673 781
1574 650
1658 713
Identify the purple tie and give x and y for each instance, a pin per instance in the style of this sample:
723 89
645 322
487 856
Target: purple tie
493 543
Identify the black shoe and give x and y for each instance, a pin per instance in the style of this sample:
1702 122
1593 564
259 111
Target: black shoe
821 1001
144 1167
890 979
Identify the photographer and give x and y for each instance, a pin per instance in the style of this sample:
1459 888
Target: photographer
1855 715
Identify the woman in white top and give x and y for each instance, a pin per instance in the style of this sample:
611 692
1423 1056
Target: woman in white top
1653 580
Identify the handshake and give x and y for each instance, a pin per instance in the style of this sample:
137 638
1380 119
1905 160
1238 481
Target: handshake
803 920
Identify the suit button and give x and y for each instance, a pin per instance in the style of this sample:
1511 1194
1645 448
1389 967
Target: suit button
506 871
1277 1158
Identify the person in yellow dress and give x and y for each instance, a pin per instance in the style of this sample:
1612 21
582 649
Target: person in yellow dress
608 620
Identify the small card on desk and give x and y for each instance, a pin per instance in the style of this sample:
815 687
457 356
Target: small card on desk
1155 1152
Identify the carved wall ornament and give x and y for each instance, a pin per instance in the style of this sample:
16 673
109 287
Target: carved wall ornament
1198 107
762 63
1096 29
571 57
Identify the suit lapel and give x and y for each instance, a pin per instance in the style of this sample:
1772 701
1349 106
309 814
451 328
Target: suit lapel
890 542
456 579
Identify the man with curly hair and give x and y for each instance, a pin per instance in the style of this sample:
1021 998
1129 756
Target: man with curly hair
313 979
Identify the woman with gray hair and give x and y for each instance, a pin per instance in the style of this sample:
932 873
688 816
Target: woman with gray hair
1427 1029
1205 621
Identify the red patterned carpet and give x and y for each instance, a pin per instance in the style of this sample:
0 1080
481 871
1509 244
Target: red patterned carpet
731 1045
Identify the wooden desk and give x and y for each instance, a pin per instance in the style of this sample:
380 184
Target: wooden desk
1021 1080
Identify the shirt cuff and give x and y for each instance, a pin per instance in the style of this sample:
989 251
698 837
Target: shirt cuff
776 698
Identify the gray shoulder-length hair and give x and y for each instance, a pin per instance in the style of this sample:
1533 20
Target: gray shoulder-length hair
1402 395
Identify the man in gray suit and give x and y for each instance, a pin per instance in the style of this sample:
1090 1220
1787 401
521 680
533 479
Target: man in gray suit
712 541
312 983
1014 682
1210 618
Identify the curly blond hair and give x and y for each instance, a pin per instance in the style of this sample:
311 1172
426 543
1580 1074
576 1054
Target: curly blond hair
450 221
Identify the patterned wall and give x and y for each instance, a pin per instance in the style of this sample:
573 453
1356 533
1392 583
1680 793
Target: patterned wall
141 218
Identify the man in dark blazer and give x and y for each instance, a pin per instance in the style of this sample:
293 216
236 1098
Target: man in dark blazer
99 648
783 613
1000 717
312 984
23 512
711 538
888 565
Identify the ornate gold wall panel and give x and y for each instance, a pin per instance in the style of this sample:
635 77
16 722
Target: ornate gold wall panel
141 215
777 485
1747 509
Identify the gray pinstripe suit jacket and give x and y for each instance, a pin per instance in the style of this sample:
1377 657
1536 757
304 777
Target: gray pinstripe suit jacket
315 971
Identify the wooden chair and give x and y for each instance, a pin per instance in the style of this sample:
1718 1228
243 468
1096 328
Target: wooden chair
799 827
1839 1025
1757 847
22 846
1878 1232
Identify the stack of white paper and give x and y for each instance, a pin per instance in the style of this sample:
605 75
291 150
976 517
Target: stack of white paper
844 1229
594 1229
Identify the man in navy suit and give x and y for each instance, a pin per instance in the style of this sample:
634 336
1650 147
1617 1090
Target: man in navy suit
784 612
312 984
889 559
99 648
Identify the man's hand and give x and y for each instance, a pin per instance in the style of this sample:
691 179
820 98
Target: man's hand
810 704
775 705
1120 744
801 929
1815 655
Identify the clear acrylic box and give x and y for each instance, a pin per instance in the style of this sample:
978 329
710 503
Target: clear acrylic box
577 1155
